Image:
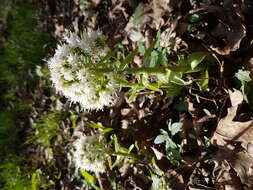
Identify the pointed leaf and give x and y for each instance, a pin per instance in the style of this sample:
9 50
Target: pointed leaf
196 58
128 59
148 52
162 131
175 128
170 144
151 87
243 76
203 84
94 125
160 139
88 177
107 130
133 93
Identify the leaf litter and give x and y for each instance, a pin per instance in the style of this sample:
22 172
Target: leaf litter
222 28
231 156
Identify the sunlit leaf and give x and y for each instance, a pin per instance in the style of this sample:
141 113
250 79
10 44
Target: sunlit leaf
141 48
160 139
137 18
90 179
194 59
175 128
204 80
194 18
107 130
170 144
94 125
133 93
243 76
128 59
151 87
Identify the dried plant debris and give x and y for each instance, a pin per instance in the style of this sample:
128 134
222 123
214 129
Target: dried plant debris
220 26
229 131
229 30
233 161
150 17
233 169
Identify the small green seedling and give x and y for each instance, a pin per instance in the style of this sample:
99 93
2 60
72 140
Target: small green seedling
171 147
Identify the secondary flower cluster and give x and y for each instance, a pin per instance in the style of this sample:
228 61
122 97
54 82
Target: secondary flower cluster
89 153
72 69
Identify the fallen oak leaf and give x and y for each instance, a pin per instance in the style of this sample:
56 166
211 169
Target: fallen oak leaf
236 97
224 178
240 161
227 131
233 131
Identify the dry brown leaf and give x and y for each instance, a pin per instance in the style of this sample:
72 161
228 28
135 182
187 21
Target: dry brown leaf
240 161
233 131
226 35
227 131
243 164
159 155
151 15
224 178
233 30
236 97
176 180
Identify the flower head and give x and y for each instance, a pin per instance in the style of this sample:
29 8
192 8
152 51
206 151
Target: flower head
89 153
73 69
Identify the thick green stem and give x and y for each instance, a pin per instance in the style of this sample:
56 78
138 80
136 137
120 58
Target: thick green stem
149 70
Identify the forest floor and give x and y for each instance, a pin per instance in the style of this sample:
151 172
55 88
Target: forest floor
209 125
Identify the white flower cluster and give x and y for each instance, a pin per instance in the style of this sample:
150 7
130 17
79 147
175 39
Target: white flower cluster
71 73
89 153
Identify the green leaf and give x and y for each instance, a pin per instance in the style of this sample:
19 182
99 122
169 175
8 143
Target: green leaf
141 48
34 181
196 58
203 84
107 130
128 59
158 39
175 128
162 131
137 18
148 52
194 18
151 87
173 89
117 146
170 144
243 76
153 58
174 156
156 167
133 93
179 81
191 28
124 155
88 177
190 135
94 125
181 60
160 139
